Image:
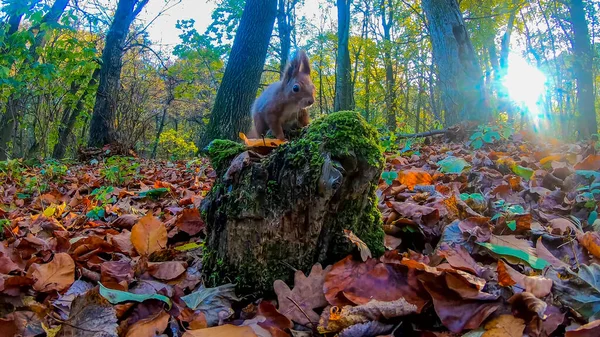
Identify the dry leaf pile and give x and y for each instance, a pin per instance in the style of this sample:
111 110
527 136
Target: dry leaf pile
496 241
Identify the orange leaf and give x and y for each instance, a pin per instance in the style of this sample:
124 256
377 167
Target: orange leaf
551 158
149 235
591 162
190 221
591 242
268 142
226 330
412 178
504 277
149 327
57 275
591 329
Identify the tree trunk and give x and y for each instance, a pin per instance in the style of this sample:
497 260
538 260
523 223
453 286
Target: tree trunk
102 128
460 76
70 116
231 112
583 65
290 208
285 26
170 84
344 97
390 82
16 101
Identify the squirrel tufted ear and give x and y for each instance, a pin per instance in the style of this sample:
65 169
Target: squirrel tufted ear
299 64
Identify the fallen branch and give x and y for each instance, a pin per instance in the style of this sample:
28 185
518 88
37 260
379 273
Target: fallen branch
424 134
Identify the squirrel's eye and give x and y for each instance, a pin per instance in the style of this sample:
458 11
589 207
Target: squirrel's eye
296 88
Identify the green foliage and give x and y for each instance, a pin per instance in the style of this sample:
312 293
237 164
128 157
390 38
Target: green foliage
389 176
119 170
453 164
485 134
154 193
53 169
523 172
174 146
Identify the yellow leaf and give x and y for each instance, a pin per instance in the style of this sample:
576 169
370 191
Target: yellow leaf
504 326
265 142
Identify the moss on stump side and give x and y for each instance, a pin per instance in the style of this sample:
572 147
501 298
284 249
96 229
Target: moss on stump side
288 209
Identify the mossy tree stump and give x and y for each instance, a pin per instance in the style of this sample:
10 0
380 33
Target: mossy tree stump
268 215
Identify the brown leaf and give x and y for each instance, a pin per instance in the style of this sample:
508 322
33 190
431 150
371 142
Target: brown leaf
122 242
456 314
149 327
167 271
274 321
91 316
57 275
226 330
307 294
537 285
504 326
350 281
190 221
116 272
591 329
125 221
149 235
545 254
423 215
591 163
365 252
459 258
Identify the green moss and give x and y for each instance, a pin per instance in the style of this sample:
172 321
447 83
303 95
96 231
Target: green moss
222 152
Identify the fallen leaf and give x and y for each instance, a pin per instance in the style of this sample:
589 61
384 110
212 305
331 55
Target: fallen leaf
453 165
212 302
537 285
458 257
366 329
166 271
91 316
533 261
590 163
261 142
226 330
591 242
149 327
307 294
412 178
527 305
592 329
149 235
365 252
117 296
504 326
545 254
580 291
190 221
57 274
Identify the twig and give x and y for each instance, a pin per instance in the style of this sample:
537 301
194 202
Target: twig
300 308
424 134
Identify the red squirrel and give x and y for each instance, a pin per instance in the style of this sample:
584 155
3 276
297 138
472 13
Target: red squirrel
284 103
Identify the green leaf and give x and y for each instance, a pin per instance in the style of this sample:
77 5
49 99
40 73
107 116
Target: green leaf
489 136
534 262
189 246
406 146
496 217
23 196
96 213
389 176
588 174
512 224
154 193
4 71
515 209
477 144
592 217
453 165
522 172
476 135
117 296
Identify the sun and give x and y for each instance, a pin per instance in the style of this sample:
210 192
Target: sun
524 83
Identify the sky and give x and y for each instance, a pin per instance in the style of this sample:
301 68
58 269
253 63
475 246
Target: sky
163 29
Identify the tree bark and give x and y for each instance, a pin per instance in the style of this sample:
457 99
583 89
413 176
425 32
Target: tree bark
344 97
461 79
583 65
70 116
102 128
170 84
285 25
231 112
16 101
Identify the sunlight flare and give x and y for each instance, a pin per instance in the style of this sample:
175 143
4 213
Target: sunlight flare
525 84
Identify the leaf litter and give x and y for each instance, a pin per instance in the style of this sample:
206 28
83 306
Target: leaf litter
494 240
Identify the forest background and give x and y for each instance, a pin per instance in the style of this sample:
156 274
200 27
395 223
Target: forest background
78 73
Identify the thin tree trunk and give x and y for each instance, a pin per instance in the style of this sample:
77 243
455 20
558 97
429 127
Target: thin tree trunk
16 101
231 112
161 125
462 88
70 116
583 65
102 128
344 97
390 82
285 27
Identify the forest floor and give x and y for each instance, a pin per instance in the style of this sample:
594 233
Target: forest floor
500 240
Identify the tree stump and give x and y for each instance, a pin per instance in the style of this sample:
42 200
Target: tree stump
268 215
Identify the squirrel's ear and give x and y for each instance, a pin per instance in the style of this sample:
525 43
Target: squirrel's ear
304 63
293 68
